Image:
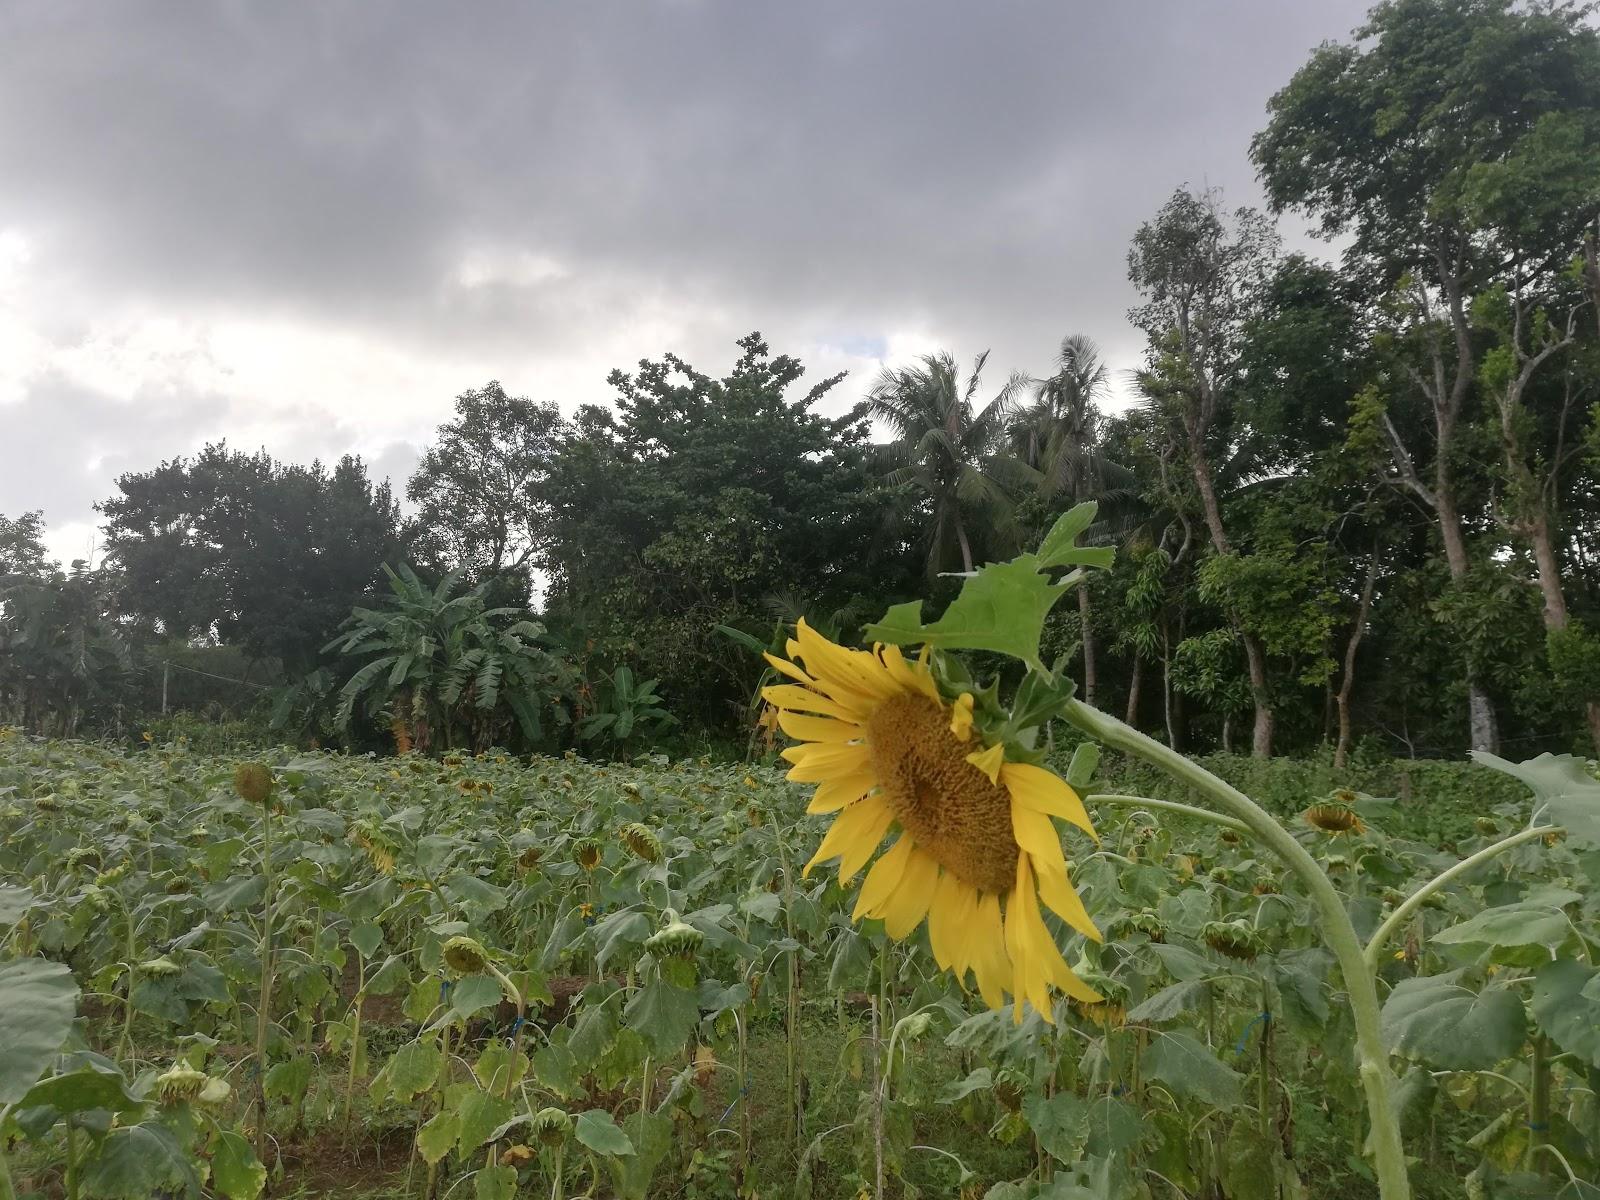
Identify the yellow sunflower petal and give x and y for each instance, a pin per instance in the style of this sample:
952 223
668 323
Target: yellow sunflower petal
852 825
882 880
964 948
913 676
834 793
1056 890
989 761
833 664
1036 835
784 667
817 761
795 698
817 729
1046 792
992 967
861 847
944 912
961 716
904 910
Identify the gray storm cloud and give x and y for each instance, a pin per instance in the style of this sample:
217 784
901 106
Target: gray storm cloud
309 226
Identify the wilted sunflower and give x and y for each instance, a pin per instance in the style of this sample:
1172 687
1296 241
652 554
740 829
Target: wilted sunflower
976 849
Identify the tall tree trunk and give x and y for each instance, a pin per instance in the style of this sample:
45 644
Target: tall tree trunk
1555 614
1085 616
1255 654
1347 682
1131 715
966 546
1480 709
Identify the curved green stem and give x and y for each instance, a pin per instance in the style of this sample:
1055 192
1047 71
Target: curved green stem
1411 903
1172 806
1337 932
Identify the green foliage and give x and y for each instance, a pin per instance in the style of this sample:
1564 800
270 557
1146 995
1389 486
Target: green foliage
444 666
269 556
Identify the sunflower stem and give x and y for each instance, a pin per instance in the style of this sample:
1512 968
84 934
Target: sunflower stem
1337 932
1414 901
1187 810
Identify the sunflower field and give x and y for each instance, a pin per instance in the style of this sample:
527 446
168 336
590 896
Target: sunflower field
937 952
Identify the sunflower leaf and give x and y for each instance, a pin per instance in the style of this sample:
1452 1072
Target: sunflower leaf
1001 608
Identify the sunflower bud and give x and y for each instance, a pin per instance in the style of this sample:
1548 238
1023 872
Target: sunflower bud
551 1126
465 956
1146 922
586 853
180 1085
1487 826
114 875
158 968
81 856
1235 939
675 939
46 803
253 782
1008 1095
641 842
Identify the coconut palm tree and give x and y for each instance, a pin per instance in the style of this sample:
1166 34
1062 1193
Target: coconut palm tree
947 452
1058 437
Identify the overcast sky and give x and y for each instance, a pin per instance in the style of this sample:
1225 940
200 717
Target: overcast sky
308 226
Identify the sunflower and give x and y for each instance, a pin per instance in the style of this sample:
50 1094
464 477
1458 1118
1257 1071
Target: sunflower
976 849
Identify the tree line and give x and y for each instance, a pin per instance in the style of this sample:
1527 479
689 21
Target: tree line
1358 497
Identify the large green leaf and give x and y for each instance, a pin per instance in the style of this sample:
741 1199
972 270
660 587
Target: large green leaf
663 1015
38 1000
1447 1025
596 1130
1060 546
139 1162
481 1114
236 1172
14 904
1566 1005
1185 1065
1002 608
413 1069
1060 1122
1571 795
1510 925
82 1091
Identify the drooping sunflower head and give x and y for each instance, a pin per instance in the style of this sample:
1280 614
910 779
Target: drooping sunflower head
586 852
641 841
253 781
1335 816
975 849
465 955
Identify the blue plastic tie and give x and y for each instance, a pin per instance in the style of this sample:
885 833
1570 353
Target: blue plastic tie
444 990
1244 1038
743 1092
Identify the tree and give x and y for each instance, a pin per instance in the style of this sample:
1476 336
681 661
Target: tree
948 454
1400 141
265 555
64 660
1201 276
22 549
691 505
1058 436
435 665
480 490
